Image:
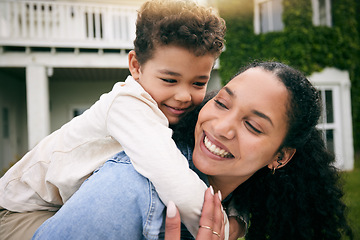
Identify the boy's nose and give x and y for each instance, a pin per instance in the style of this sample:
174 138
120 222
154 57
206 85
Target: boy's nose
183 96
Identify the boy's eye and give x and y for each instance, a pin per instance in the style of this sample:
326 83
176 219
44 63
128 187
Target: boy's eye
200 84
220 104
252 128
168 80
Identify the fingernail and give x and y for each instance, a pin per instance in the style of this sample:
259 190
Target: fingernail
212 190
171 210
220 196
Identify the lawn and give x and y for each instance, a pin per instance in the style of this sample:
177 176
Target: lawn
352 196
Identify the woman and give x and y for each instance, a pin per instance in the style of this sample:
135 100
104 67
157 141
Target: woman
256 142
278 167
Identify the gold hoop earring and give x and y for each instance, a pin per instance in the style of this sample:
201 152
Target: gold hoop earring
273 170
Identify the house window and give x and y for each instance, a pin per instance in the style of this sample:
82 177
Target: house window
268 16
336 122
329 122
77 110
321 12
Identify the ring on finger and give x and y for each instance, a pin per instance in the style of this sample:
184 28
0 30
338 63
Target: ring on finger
216 233
207 227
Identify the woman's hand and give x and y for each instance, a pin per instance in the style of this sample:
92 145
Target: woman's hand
211 221
173 222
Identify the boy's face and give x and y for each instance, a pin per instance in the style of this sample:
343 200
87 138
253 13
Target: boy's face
174 77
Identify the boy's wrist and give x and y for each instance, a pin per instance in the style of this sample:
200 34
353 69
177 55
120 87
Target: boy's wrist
237 227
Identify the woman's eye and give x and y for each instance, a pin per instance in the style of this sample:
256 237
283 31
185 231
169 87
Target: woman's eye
220 104
252 128
168 80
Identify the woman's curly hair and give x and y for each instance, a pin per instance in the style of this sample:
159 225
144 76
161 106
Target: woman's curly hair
302 200
178 22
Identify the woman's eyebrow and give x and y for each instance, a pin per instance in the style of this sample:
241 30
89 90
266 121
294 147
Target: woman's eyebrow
257 113
262 115
228 90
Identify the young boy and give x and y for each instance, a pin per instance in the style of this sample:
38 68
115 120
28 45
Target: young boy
176 45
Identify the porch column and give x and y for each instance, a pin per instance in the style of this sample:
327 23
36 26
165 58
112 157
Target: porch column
348 144
37 98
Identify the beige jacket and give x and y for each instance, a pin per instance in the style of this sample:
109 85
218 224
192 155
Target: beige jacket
47 176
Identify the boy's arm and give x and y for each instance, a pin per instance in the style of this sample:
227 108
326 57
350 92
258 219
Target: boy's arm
143 132
136 122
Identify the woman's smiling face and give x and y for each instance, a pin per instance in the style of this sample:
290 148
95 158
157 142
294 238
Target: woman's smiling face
241 129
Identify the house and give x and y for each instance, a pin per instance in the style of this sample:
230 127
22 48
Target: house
56 59
319 37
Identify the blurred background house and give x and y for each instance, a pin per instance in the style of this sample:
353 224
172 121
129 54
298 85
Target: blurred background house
58 57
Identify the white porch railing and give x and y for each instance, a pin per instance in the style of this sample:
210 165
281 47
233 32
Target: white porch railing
66 24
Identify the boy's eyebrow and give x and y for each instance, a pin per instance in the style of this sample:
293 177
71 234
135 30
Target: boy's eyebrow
175 74
171 73
257 113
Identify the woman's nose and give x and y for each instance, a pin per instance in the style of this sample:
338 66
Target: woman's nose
225 127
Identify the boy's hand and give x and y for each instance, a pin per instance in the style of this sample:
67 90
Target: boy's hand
237 228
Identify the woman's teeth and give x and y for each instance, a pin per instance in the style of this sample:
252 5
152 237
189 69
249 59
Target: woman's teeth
216 150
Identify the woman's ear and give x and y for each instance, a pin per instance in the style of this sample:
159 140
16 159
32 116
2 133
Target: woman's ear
134 65
282 158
